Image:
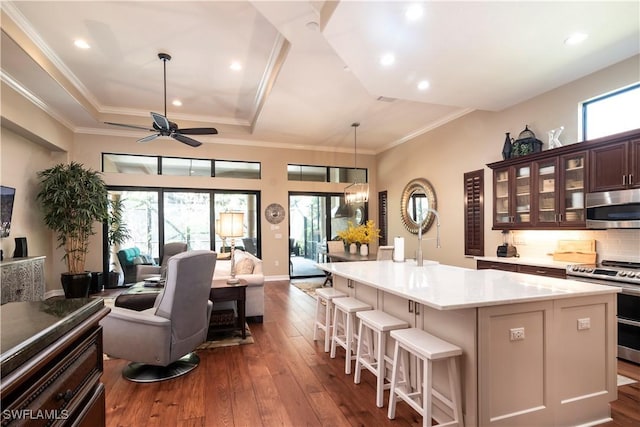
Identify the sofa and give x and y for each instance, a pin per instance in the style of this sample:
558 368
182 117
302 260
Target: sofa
248 269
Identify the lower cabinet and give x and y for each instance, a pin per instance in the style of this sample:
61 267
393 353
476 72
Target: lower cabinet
59 386
522 268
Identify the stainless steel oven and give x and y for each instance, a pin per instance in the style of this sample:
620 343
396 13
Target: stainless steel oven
625 275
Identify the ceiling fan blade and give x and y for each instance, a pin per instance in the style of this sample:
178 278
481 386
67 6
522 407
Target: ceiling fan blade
199 131
160 121
186 140
149 138
130 126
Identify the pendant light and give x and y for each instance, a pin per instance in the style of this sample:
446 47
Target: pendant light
356 192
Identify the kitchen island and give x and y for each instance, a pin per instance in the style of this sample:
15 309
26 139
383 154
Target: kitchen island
536 350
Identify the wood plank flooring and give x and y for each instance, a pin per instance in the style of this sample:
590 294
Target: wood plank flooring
284 379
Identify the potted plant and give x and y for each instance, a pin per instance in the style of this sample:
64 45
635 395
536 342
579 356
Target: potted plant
73 198
117 234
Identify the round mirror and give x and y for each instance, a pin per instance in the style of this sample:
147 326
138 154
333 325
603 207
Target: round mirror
417 198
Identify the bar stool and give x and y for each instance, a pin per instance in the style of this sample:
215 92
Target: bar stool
426 348
344 317
324 297
379 323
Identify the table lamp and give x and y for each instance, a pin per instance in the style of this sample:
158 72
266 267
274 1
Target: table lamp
232 226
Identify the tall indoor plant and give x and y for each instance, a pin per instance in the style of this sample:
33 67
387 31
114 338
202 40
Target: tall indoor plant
117 234
73 198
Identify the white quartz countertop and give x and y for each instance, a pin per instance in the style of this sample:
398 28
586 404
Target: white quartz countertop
536 262
446 287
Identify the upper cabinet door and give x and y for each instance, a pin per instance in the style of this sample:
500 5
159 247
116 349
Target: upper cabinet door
523 194
608 167
634 166
573 179
546 192
502 212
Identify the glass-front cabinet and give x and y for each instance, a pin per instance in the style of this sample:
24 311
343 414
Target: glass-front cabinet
573 189
523 194
512 204
502 192
547 193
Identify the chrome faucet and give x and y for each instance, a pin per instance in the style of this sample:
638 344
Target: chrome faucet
419 257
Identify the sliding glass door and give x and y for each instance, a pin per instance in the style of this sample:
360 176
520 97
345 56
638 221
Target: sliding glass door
313 219
154 217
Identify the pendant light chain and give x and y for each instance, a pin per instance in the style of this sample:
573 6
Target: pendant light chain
355 151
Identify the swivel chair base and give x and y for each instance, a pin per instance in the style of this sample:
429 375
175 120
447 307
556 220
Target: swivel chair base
143 373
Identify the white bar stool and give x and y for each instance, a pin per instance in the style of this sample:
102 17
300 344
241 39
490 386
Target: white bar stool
324 297
426 348
375 360
344 317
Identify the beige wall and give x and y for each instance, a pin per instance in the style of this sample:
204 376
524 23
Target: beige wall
20 159
443 155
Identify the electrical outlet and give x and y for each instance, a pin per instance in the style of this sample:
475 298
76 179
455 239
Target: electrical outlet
516 334
277 263
584 323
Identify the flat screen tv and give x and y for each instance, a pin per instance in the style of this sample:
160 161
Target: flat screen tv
7 195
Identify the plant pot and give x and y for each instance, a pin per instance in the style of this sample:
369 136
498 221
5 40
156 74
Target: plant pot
115 279
76 285
353 248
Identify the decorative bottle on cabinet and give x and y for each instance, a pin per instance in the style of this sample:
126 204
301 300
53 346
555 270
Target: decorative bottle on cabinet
506 148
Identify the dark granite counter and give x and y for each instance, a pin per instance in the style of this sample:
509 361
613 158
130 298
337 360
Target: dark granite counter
27 328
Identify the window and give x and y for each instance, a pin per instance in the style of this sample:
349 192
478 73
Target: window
612 113
228 169
326 174
176 166
185 167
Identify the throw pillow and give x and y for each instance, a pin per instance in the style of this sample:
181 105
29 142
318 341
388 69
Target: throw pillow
244 266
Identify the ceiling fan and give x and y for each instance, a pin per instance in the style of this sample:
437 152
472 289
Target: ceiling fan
162 126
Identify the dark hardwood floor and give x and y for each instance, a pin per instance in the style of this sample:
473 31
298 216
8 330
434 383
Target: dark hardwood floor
284 379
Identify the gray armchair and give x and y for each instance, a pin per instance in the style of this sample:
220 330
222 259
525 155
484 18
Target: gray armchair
144 272
161 340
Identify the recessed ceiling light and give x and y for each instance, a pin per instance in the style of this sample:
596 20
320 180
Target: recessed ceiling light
81 44
235 66
177 103
423 85
576 38
387 59
414 12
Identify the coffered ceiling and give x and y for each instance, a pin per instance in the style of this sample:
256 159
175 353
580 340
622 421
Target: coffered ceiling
307 69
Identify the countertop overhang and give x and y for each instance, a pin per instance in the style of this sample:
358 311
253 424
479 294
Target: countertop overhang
28 327
445 287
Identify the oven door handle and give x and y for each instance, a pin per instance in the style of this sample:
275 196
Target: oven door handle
628 322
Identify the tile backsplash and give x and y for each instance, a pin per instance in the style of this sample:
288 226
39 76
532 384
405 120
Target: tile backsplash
622 245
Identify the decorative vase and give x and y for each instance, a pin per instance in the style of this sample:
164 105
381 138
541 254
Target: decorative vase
353 248
506 148
364 249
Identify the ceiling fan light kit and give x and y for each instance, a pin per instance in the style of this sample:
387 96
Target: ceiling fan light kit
162 126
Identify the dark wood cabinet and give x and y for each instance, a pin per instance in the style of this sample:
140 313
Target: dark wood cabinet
547 190
504 266
615 166
544 193
53 377
522 268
